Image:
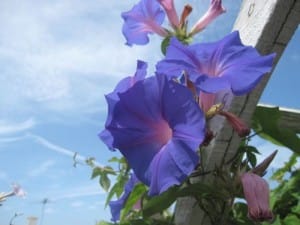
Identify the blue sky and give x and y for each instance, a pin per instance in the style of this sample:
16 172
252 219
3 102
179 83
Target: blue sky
57 60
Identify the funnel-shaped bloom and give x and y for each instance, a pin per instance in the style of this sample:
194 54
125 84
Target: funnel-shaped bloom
113 97
215 9
123 85
117 206
169 7
157 125
223 65
144 18
256 191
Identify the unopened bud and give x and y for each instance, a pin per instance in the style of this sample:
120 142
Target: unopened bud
213 12
237 124
256 192
185 13
261 168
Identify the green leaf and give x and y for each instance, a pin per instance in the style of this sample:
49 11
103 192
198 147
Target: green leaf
97 171
117 189
160 202
252 158
278 175
202 190
265 123
164 45
240 211
104 181
109 170
291 220
276 221
102 222
286 197
136 195
139 222
114 159
166 199
90 161
251 149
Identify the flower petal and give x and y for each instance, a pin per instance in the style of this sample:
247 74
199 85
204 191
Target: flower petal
182 113
215 9
113 97
212 84
256 191
171 166
146 118
169 7
144 18
117 206
222 65
178 58
124 84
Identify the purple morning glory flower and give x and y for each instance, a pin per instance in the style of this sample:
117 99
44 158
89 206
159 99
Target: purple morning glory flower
144 18
213 67
113 97
157 125
117 206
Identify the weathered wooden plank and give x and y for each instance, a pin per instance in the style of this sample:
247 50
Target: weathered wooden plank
268 25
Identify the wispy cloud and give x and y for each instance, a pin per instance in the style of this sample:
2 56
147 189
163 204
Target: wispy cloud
56 148
60 54
12 139
77 204
41 168
78 192
65 55
7 127
96 205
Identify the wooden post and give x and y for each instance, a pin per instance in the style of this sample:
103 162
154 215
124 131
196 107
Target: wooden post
268 25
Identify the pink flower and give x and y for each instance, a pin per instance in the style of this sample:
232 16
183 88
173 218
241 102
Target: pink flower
18 191
256 191
237 124
213 12
170 10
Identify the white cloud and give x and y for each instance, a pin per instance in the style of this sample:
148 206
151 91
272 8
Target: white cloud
12 139
41 168
96 205
63 56
78 192
76 204
14 127
56 148
50 49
